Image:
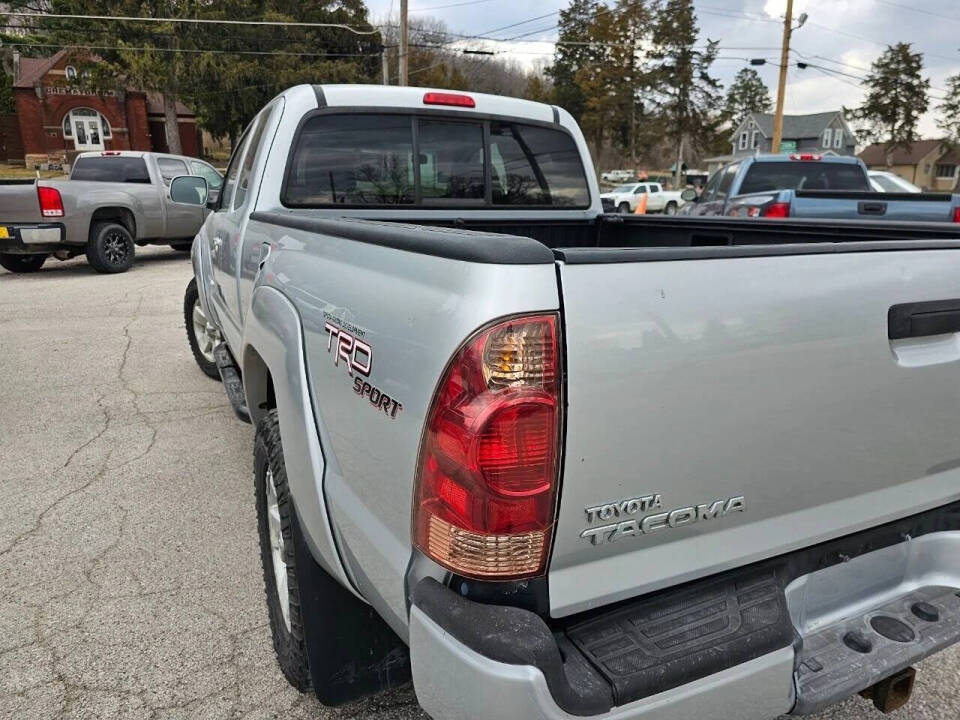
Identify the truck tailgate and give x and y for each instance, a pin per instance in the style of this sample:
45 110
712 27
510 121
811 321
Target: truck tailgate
19 202
917 207
724 409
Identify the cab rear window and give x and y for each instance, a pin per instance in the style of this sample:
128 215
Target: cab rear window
115 168
803 175
369 160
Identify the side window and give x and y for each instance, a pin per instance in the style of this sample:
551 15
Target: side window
233 169
246 170
711 187
726 181
654 188
171 168
214 181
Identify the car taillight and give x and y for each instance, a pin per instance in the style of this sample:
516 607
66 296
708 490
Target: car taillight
51 204
807 158
454 99
776 210
486 491
956 214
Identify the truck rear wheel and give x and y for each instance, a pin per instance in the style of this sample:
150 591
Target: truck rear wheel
671 208
623 208
23 263
201 334
110 248
275 528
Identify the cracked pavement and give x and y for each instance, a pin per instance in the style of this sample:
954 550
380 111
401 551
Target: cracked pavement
130 584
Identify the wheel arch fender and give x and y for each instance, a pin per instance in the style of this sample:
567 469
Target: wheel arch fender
274 374
115 213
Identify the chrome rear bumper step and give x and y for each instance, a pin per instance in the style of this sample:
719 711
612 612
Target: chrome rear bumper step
853 654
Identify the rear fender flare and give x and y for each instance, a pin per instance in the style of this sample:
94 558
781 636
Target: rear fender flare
273 356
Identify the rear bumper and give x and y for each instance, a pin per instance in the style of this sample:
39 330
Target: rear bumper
32 238
794 634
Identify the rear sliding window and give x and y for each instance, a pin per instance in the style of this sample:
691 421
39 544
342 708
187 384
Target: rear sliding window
368 160
798 175
111 169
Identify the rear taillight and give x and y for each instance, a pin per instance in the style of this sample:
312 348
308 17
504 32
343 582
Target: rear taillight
51 204
486 491
956 214
776 210
807 157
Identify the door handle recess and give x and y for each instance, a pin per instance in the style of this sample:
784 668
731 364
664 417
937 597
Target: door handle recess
872 208
914 320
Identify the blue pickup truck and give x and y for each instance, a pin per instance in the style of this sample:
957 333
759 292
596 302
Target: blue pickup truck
812 186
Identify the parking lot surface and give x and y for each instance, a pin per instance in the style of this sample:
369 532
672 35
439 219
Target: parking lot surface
130 584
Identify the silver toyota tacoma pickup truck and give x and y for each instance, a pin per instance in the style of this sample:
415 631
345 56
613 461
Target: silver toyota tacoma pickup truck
112 201
553 463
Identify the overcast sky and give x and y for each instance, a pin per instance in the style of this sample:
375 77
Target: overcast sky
844 35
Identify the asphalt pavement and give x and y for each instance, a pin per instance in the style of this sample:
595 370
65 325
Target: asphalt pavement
130 584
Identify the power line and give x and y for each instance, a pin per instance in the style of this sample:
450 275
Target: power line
186 50
199 21
918 10
452 5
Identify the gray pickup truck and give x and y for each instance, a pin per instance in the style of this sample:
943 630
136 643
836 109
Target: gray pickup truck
112 201
557 464
813 186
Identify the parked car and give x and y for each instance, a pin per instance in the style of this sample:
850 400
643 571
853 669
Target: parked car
616 176
112 201
625 198
813 186
559 463
888 182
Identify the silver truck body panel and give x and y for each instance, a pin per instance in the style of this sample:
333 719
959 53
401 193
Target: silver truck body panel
770 379
452 682
427 307
273 336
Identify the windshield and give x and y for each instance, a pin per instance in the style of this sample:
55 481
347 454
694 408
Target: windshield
623 189
796 175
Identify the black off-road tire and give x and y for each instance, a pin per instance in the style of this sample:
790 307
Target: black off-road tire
23 263
182 247
671 208
290 645
110 248
623 208
190 298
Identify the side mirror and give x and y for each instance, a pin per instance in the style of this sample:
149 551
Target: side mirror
189 190
689 195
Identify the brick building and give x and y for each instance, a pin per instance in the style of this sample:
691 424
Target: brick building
57 116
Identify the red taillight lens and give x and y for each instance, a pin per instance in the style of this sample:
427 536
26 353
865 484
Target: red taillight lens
51 204
486 493
807 158
956 214
454 99
776 210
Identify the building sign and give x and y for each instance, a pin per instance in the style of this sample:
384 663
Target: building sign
68 90
788 146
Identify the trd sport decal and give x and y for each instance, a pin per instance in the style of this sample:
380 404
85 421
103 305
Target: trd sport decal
357 356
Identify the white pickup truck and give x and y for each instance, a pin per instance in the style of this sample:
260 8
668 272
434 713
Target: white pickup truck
557 463
625 198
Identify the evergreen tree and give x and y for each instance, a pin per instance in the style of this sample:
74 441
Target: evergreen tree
746 95
896 98
686 95
949 120
571 54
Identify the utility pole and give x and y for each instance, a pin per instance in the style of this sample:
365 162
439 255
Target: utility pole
782 89
404 72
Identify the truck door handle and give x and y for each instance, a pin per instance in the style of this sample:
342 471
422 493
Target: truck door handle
922 319
872 208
